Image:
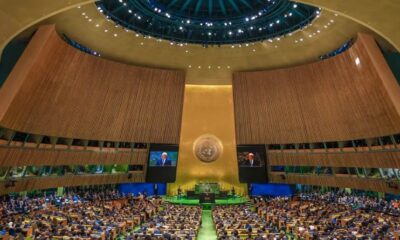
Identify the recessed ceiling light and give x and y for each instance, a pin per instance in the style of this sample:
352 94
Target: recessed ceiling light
358 61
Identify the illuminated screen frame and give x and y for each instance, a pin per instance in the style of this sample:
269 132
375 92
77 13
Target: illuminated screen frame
162 174
253 174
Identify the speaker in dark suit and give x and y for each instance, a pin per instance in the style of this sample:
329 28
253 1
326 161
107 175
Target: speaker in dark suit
164 161
251 161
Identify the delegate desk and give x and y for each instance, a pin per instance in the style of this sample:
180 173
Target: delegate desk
207 198
207 192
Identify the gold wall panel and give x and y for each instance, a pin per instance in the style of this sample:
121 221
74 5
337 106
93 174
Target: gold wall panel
207 110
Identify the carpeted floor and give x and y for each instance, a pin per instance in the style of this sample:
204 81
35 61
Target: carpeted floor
207 229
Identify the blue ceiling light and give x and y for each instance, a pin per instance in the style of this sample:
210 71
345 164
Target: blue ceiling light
209 22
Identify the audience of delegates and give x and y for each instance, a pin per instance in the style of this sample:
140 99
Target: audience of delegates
107 214
311 216
172 222
363 202
241 221
90 215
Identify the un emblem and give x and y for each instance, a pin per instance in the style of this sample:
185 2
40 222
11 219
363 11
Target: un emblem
207 148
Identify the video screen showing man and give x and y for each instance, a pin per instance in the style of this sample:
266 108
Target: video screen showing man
249 159
252 160
163 161
163 158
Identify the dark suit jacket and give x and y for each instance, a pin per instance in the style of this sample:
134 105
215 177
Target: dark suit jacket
256 163
167 162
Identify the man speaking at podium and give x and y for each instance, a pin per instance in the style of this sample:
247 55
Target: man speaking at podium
164 161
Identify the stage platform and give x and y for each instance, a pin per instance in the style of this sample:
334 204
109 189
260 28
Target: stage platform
184 201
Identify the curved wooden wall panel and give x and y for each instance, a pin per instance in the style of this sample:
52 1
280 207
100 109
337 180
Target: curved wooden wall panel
382 159
60 91
331 100
36 183
48 157
341 182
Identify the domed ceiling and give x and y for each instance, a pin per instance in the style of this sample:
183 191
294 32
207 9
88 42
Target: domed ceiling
87 25
209 22
90 27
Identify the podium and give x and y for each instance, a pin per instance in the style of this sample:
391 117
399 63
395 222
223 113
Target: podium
207 198
200 188
206 192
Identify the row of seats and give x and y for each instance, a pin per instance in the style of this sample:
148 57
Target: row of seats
96 215
312 216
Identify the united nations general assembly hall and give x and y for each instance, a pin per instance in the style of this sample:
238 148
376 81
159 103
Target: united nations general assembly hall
199 119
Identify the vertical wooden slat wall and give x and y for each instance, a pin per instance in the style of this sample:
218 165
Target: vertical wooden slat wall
71 94
368 184
48 157
330 100
71 180
383 159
